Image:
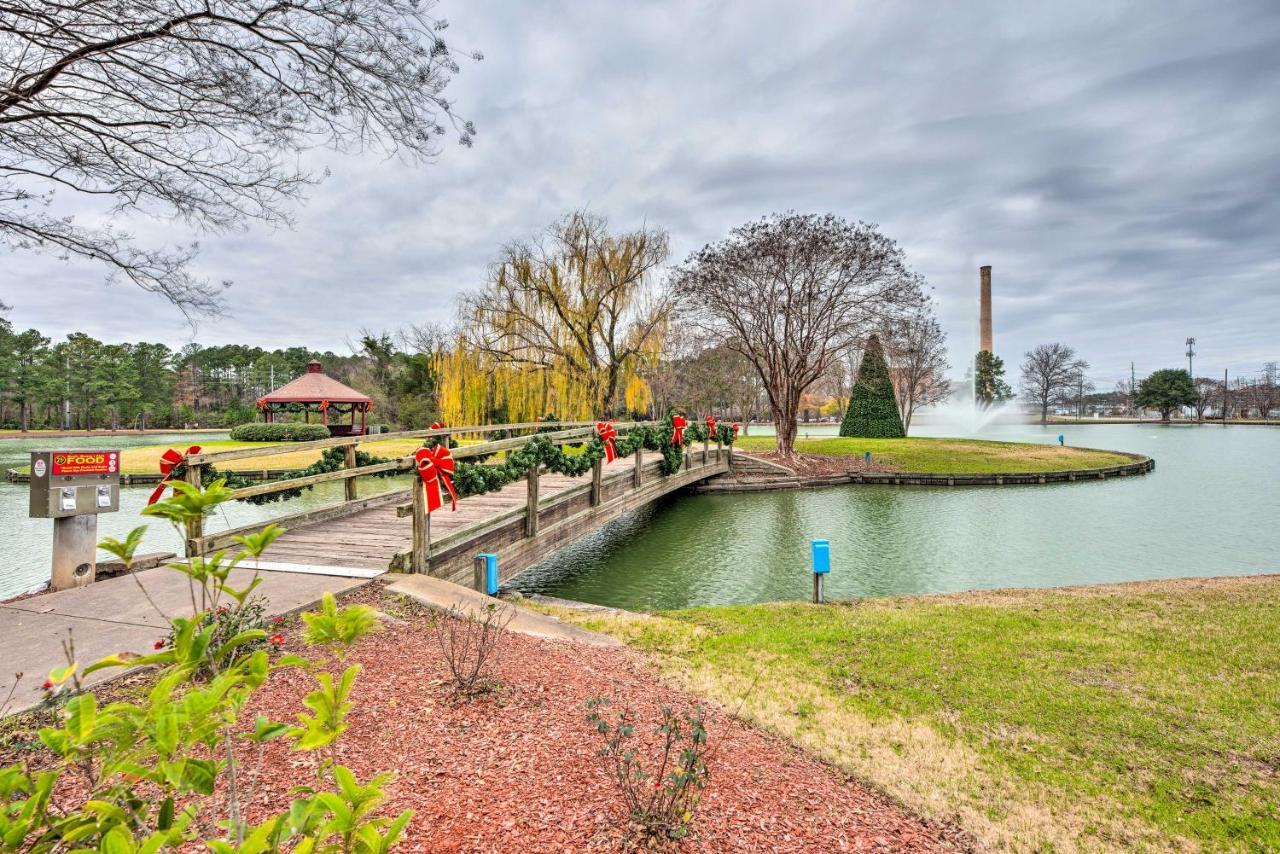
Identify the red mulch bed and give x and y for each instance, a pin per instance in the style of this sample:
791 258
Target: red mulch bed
516 769
809 465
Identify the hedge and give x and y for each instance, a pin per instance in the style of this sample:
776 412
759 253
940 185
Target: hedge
282 432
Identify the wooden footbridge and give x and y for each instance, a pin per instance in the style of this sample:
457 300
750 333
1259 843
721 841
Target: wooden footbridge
523 523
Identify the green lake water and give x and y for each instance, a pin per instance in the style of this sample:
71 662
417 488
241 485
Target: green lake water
1211 507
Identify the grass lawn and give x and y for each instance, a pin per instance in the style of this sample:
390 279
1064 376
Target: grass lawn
1142 716
949 456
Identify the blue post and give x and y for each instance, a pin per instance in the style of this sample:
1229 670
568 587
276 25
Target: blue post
821 566
487 567
1062 440
866 458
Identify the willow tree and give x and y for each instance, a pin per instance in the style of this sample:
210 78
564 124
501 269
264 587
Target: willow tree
792 293
577 306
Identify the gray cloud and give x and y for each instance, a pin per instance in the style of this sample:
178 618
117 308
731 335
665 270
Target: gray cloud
1116 164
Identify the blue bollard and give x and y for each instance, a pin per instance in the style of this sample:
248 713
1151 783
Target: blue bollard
866 458
821 566
1062 440
487 564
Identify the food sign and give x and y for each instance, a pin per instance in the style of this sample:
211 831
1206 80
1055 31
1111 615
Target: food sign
86 462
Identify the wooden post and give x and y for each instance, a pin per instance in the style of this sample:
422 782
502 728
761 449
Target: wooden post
195 527
597 475
480 570
638 476
421 534
704 452
531 511
349 452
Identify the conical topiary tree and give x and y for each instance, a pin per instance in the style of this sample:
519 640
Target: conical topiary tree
873 407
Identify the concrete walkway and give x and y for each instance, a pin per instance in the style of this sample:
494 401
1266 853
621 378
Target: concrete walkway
445 595
114 615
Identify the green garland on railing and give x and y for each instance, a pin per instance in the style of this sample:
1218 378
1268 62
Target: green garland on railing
477 478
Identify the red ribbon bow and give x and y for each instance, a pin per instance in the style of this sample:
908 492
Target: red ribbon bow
169 461
438 425
262 403
711 426
736 425
677 433
436 466
324 406
607 433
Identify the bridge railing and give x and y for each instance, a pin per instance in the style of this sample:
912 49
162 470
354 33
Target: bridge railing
197 542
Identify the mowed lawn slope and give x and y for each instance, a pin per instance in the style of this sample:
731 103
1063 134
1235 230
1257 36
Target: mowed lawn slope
1124 717
949 456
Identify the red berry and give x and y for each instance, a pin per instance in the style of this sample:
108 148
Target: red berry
158 645
48 683
277 639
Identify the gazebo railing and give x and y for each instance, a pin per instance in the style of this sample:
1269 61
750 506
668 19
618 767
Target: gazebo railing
197 542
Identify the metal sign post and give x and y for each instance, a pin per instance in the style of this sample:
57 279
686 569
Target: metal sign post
72 488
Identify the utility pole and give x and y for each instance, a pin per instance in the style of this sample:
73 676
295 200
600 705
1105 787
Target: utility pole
1080 398
1191 352
1225 392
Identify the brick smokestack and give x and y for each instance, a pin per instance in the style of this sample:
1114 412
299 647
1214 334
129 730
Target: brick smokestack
985 313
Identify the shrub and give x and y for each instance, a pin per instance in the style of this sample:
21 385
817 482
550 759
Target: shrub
661 801
472 646
229 621
140 775
284 431
873 407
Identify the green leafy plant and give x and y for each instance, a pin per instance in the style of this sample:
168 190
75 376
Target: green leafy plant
661 790
141 776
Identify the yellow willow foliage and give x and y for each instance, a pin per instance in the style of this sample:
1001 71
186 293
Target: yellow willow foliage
637 395
475 390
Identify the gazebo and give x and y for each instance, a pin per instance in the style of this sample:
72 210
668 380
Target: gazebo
315 391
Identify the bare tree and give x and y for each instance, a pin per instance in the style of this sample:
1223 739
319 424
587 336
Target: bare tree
1207 391
1259 395
792 293
916 348
197 109
1050 374
577 300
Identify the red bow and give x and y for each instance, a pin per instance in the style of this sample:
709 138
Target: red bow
262 403
436 466
324 406
608 433
169 461
711 426
437 425
677 432
736 425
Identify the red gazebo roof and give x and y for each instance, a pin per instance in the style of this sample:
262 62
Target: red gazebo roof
314 387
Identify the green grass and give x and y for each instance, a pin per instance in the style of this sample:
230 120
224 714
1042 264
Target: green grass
949 456
1129 717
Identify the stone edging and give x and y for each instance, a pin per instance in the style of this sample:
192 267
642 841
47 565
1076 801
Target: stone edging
1140 465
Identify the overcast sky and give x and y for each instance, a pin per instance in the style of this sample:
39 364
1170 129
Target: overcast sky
1117 165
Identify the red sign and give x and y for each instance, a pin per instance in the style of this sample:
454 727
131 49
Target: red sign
86 462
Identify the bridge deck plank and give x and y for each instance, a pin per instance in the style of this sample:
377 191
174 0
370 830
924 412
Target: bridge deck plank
375 536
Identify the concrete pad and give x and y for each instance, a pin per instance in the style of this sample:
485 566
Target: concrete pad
114 615
443 595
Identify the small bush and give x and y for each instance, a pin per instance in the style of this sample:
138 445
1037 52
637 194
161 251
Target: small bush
661 793
472 647
228 621
282 432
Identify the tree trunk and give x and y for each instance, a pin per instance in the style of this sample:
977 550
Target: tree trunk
784 419
26 416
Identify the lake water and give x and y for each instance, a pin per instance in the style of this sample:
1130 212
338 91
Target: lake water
1211 507
26 544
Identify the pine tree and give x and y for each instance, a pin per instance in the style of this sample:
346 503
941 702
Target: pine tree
873 407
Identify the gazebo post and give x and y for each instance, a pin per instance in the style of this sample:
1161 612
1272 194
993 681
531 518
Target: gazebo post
364 413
